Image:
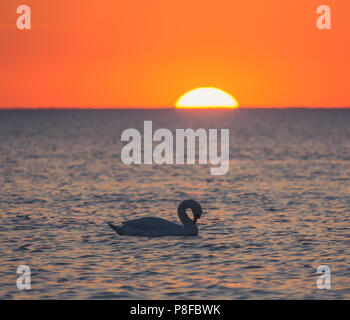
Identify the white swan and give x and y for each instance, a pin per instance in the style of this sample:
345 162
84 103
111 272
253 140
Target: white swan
157 227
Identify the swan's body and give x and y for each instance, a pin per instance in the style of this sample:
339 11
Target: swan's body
157 227
153 227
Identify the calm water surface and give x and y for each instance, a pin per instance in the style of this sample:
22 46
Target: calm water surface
282 210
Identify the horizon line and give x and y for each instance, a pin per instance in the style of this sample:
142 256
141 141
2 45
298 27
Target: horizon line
169 107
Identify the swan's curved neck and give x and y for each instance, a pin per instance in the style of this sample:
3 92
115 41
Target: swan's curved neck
184 218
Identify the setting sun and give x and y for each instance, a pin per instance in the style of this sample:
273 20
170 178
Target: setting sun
206 98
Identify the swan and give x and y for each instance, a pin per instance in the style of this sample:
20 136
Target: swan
157 227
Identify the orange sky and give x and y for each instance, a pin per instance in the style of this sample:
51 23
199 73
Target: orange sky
146 53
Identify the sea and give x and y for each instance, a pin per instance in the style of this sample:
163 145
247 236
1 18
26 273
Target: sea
281 211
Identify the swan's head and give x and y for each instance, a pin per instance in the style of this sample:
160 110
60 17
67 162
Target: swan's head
197 212
194 206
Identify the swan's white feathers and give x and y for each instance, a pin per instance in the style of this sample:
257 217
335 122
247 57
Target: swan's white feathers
158 227
147 223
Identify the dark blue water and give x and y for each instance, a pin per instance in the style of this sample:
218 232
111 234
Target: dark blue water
282 210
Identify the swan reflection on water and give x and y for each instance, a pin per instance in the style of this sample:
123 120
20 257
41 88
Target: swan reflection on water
157 227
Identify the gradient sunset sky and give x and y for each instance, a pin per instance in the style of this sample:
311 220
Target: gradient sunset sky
147 53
